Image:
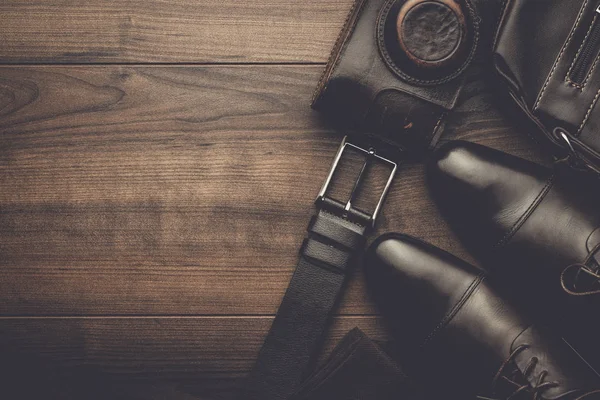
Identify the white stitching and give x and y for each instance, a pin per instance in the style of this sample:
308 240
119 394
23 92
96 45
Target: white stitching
587 78
589 112
539 99
587 35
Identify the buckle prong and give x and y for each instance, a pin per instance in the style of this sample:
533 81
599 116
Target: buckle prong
371 156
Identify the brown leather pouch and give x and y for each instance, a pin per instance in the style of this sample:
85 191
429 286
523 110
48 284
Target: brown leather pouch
547 53
397 69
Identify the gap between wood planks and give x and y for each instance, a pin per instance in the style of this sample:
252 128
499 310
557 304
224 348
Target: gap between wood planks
161 64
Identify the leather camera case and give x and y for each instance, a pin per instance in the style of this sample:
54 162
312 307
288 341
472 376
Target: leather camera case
547 52
397 69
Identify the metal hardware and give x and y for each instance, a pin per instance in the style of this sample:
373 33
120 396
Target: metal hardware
563 136
371 156
574 158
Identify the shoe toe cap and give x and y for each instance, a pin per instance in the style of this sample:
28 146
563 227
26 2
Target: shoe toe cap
482 192
411 280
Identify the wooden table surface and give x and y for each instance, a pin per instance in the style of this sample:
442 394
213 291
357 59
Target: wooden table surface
158 166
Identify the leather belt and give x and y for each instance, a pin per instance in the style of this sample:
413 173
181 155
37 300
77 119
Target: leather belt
336 235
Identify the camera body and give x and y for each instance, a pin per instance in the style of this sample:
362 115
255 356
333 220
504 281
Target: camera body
398 68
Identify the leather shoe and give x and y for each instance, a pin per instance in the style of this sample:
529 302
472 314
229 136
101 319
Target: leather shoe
536 229
460 337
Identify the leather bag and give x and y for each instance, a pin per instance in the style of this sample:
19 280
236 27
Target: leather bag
547 53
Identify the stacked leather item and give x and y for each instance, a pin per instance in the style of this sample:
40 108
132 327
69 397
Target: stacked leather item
525 326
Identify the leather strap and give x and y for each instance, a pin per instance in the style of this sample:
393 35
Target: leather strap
295 337
335 237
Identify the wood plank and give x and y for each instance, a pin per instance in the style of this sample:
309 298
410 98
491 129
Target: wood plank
203 357
179 190
177 31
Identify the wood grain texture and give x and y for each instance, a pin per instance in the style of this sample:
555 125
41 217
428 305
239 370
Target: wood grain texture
177 31
203 357
151 215
150 218
177 190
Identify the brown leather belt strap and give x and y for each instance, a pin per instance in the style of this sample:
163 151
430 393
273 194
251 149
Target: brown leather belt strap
335 236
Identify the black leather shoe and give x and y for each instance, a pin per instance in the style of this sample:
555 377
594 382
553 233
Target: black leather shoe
460 337
538 231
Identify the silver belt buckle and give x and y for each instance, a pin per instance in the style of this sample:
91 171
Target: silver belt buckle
346 209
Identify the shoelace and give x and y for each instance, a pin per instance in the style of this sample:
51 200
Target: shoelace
516 375
578 270
533 392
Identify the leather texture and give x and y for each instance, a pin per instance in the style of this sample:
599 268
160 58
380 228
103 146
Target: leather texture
540 45
358 369
431 33
296 335
528 224
371 88
456 331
